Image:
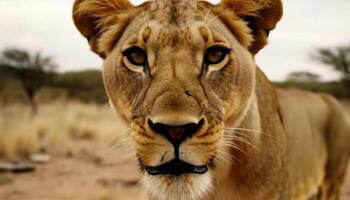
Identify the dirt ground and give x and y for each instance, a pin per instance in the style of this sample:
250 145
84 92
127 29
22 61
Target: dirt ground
78 177
83 178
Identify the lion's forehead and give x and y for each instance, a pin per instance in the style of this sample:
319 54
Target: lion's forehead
178 12
173 22
171 36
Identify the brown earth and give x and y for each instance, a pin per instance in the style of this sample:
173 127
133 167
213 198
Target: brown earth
81 177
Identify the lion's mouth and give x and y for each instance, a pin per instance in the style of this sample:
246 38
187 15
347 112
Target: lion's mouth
176 167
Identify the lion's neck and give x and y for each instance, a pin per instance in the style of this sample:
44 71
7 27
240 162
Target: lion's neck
257 139
251 122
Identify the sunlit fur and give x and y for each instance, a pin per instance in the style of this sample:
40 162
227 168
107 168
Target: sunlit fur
174 188
250 137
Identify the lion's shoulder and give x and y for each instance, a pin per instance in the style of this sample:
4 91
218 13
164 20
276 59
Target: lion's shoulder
318 135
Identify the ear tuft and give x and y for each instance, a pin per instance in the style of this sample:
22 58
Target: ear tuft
93 17
245 8
261 16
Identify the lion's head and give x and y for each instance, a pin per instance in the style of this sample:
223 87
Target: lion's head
177 71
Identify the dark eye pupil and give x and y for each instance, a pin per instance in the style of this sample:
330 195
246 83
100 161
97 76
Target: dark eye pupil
136 56
215 55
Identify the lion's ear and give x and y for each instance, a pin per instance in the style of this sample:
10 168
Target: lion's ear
94 17
261 16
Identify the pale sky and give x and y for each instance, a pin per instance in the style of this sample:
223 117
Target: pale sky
46 26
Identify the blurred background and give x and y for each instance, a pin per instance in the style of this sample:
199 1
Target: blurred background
59 138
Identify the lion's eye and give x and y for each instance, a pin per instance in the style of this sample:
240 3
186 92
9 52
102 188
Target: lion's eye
136 56
215 55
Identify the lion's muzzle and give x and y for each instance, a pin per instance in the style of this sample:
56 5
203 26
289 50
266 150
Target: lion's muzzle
176 134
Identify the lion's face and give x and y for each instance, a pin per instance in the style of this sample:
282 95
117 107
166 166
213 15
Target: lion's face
177 73
177 83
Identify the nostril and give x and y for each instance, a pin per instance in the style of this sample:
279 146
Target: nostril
158 127
176 134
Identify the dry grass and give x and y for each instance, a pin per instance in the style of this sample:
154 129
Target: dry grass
80 139
55 128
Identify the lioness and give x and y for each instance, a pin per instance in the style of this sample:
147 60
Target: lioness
206 122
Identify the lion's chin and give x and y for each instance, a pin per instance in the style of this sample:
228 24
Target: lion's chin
184 187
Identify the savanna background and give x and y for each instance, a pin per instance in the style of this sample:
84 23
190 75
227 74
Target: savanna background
59 139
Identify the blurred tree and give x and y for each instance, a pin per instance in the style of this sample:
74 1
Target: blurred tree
32 70
338 58
303 76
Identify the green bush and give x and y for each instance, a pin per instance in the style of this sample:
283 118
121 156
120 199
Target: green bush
338 89
85 86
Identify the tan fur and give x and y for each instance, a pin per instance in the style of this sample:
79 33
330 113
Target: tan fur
97 17
321 119
261 15
259 144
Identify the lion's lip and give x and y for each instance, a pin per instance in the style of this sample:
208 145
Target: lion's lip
176 167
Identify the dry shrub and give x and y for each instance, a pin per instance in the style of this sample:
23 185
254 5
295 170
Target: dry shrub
20 143
55 129
18 138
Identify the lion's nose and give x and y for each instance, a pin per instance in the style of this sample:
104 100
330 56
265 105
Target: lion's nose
176 134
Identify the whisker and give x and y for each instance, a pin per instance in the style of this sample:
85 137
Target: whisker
224 156
119 142
249 131
227 155
240 139
123 135
232 145
105 106
207 17
246 142
213 18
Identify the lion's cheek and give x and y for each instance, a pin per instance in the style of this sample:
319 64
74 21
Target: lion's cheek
197 154
202 149
231 107
151 150
123 107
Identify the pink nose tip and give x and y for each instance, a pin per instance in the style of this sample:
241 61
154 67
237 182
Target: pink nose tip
176 134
